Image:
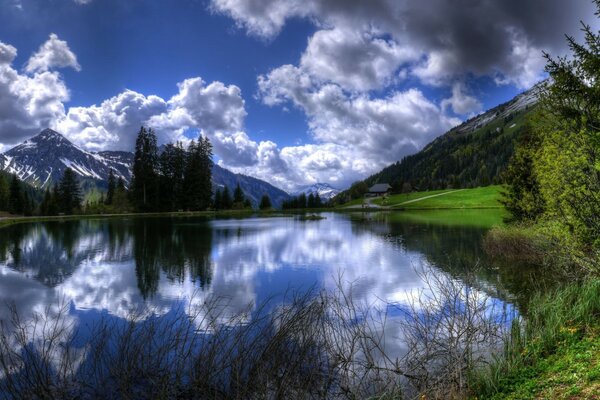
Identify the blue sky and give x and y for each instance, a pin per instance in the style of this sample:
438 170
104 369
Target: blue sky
295 92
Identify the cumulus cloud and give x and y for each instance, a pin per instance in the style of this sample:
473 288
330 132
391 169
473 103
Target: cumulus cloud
502 39
28 102
374 59
55 53
460 102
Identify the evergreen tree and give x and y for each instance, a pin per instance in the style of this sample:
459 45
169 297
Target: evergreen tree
198 175
69 192
265 202
318 201
112 185
172 163
16 201
310 203
226 200
4 193
218 202
144 187
46 202
238 197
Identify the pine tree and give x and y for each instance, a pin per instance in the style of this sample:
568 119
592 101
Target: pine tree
198 175
69 192
16 199
218 202
311 201
226 200
265 202
238 197
4 193
112 184
318 201
144 188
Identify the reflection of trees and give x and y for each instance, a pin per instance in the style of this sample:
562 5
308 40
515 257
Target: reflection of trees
457 251
173 247
45 251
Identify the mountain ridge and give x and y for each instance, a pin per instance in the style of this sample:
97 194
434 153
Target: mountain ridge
42 159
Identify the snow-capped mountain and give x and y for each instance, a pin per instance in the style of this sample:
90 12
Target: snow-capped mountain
325 190
42 160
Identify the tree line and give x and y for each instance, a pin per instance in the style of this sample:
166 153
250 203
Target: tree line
554 176
303 201
174 179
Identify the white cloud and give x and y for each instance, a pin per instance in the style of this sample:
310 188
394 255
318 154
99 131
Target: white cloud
28 102
55 53
374 60
461 103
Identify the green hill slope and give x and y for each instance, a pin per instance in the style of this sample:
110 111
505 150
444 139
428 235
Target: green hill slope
472 154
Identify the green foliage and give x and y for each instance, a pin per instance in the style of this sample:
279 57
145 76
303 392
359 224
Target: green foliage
16 200
555 173
144 186
560 330
112 185
69 193
4 193
265 202
198 175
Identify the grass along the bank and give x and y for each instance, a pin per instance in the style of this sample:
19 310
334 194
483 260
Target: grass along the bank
554 353
477 218
481 197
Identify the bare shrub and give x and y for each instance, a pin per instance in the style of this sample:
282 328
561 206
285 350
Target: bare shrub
314 345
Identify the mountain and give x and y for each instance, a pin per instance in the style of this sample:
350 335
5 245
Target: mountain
325 190
253 188
42 160
475 153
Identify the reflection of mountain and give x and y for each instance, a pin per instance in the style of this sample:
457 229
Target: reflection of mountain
120 265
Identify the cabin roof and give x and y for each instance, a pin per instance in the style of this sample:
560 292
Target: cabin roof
380 188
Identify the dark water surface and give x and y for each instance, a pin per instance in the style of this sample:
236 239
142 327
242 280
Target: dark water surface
107 268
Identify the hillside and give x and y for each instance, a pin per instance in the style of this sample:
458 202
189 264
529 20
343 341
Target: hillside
472 154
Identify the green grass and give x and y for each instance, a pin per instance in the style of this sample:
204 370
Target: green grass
573 372
556 355
481 197
479 218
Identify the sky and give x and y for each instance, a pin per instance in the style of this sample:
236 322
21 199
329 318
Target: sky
291 91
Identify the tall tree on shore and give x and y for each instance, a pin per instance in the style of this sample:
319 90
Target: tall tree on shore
16 200
112 185
4 193
172 163
69 192
198 175
226 201
238 196
265 202
144 187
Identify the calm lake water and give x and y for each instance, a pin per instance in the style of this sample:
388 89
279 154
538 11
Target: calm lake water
107 268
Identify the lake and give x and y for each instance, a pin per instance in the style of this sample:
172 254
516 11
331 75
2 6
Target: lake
112 266
153 268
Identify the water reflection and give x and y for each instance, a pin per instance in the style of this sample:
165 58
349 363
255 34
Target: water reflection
115 266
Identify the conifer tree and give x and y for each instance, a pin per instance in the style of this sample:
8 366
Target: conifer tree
16 201
226 200
144 188
265 202
218 202
4 193
198 175
238 196
69 192
112 185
